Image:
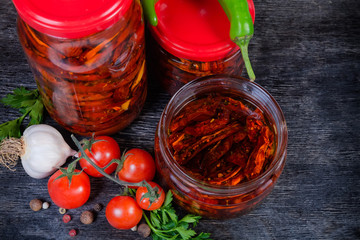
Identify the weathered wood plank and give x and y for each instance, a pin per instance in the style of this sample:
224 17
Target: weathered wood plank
307 55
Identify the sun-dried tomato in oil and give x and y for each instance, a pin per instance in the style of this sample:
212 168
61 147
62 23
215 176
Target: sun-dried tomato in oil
221 140
91 84
174 72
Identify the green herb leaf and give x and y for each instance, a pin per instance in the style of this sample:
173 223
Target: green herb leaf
36 112
164 223
168 199
165 219
28 103
132 192
190 219
202 236
172 214
20 98
185 233
11 128
155 220
183 225
155 237
168 226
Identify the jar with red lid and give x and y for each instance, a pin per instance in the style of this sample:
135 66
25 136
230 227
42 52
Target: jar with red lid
220 146
88 60
191 39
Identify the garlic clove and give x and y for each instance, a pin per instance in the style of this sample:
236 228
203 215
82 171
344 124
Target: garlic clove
31 172
45 150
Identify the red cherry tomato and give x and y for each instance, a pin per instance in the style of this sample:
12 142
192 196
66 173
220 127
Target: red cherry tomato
102 152
144 203
69 196
122 212
139 165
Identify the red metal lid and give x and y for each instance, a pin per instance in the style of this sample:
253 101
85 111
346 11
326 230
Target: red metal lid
71 18
195 30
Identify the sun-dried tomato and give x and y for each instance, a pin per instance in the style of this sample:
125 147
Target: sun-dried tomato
93 84
206 141
221 140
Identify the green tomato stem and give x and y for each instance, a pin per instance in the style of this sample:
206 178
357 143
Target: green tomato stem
84 155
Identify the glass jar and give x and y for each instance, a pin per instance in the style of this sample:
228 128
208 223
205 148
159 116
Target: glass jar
192 40
203 197
88 60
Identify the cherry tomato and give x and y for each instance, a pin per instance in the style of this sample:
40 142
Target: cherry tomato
139 165
122 212
145 203
69 196
102 152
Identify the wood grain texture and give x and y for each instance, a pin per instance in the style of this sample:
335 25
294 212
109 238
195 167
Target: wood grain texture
307 55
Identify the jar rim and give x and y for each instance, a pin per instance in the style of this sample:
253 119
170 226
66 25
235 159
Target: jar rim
226 81
71 19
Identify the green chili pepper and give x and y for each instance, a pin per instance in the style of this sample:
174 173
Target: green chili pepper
241 28
241 25
149 11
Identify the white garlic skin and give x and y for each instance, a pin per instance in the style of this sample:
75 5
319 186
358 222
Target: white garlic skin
45 150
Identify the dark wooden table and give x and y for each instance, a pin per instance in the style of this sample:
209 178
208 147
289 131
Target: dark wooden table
306 53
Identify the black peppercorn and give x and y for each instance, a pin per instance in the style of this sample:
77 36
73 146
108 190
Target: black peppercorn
98 207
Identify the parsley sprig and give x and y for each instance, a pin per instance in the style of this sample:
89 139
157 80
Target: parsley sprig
164 223
28 103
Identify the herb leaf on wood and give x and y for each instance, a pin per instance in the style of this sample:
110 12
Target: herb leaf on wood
165 224
28 103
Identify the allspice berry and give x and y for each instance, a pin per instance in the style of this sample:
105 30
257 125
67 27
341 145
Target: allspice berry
98 207
144 230
36 204
87 217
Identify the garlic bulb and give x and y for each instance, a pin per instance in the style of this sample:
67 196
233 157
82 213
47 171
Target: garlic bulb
44 150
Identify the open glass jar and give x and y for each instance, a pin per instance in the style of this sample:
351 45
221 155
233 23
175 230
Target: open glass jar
88 60
191 40
245 172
